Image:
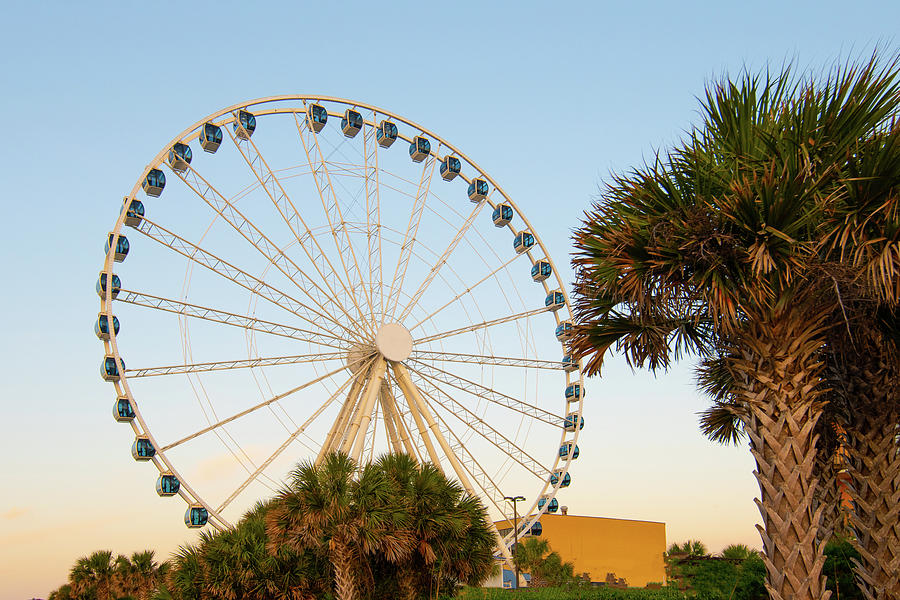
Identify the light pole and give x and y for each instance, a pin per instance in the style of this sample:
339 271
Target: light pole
514 500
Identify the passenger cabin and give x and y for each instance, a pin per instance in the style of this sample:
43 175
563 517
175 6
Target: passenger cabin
210 137
386 134
167 484
569 447
523 241
101 285
450 168
419 148
478 190
574 392
109 370
244 125
180 157
142 448
134 212
196 516
122 410
316 117
541 270
564 331
119 244
101 326
566 479
502 215
536 529
351 123
569 364
570 422
552 507
154 183
555 300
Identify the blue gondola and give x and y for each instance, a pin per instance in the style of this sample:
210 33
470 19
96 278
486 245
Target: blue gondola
536 529
134 212
122 410
142 448
386 134
121 246
566 448
450 168
569 364
569 423
419 148
210 137
502 215
574 392
109 371
316 117
101 326
180 157
154 183
244 125
564 331
196 516
523 241
541 270
167 484
555 300
478 190
101 285
552 507
351 123
566 479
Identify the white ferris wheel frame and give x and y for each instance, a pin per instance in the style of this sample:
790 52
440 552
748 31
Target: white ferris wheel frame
261 107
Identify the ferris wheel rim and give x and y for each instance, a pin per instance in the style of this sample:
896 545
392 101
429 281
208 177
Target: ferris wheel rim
161 461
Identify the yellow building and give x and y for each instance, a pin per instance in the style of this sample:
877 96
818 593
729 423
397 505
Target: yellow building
632 550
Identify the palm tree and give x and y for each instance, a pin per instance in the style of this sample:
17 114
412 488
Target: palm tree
717 249
94 575
340 510
63 592
546 567
184 580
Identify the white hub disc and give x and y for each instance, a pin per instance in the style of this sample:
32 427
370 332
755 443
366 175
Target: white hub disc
394 341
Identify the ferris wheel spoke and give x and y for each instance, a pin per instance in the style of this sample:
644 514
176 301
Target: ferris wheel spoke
334 215
484 359
412 228
466 291
442 260
225 269
483 325
488 394
485 430
250 410
278 451
245 363
250 232
373 215
227 318
291 216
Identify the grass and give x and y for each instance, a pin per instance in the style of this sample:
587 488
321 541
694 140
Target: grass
569 593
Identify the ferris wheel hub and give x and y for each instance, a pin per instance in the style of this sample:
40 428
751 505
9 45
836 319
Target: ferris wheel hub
394 341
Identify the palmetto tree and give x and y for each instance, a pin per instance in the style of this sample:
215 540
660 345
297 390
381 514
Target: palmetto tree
343 511
721 248
94 575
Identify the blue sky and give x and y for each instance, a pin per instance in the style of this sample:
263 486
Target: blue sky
548 99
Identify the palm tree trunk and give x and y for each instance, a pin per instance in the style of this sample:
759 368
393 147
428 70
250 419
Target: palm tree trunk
342 561
875 469
407 584
778 377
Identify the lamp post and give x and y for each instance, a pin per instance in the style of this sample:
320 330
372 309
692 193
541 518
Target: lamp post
514 500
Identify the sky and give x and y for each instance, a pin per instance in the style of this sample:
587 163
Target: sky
548 99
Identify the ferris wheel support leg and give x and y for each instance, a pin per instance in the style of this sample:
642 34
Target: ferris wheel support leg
340 422
395 421
406 382
360 424
413 409
389 426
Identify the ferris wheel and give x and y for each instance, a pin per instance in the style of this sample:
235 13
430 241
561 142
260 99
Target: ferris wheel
306 284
